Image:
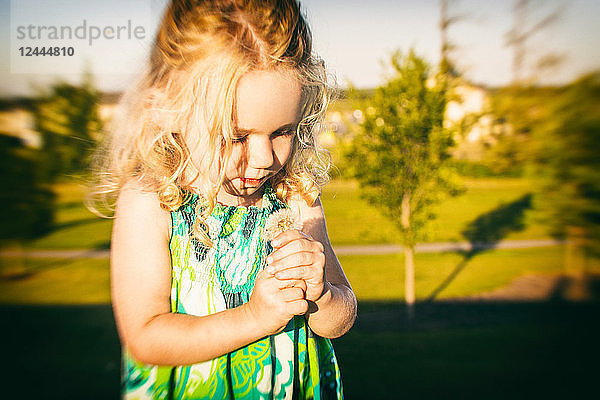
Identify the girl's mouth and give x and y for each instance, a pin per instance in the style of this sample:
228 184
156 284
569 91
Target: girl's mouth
251 182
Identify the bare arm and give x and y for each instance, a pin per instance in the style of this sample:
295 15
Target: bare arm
313 259
141 285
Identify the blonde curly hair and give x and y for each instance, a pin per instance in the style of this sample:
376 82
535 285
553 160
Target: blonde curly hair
185 98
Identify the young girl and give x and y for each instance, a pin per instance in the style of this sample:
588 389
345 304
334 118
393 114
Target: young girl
216 136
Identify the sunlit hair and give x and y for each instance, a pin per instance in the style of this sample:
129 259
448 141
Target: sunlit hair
184 100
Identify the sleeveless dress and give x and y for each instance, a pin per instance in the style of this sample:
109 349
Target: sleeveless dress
293 364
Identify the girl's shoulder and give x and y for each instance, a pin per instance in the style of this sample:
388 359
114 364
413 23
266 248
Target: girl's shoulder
141 207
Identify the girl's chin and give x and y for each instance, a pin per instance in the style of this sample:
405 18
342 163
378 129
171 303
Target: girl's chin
240 194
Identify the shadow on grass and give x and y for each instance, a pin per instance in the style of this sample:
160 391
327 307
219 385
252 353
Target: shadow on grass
102 245
18 267
450 350
75 223
69 205
485 231
471 351
59 352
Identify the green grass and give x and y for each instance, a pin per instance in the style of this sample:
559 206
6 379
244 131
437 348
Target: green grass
60 323
350 220
481 197
58 281
75 225
381 277
373 277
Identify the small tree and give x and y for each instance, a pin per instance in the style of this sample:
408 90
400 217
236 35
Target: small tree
67 120
400 152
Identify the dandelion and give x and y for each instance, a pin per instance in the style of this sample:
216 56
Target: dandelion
281 221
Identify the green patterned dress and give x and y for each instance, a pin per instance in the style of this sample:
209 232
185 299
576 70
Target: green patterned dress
293 364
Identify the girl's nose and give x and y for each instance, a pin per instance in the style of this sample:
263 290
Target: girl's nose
260 151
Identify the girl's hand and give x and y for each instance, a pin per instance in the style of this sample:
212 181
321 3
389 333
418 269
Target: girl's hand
273 302
298 256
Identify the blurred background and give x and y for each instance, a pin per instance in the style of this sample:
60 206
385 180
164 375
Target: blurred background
464 206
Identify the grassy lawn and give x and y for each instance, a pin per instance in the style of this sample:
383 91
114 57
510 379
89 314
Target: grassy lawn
75 226
381 277
450 351
350 220
57 329
61 329
373 277
59 281
516 351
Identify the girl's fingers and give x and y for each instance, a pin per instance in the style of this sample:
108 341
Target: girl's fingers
295 260
298 307
303 273
307 252
290 283
276 284
300 283
292 294
297 245
285 237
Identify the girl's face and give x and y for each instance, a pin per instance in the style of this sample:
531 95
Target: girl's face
268 106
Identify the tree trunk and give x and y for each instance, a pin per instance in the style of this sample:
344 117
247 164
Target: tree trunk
575 264
409 259
409 280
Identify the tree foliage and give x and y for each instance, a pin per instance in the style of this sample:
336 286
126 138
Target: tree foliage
516 111
28 205
400 152
567 159
67 119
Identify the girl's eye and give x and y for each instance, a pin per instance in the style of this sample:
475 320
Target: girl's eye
287 132
240 139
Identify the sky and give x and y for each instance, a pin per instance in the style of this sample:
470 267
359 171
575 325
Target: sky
354 37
